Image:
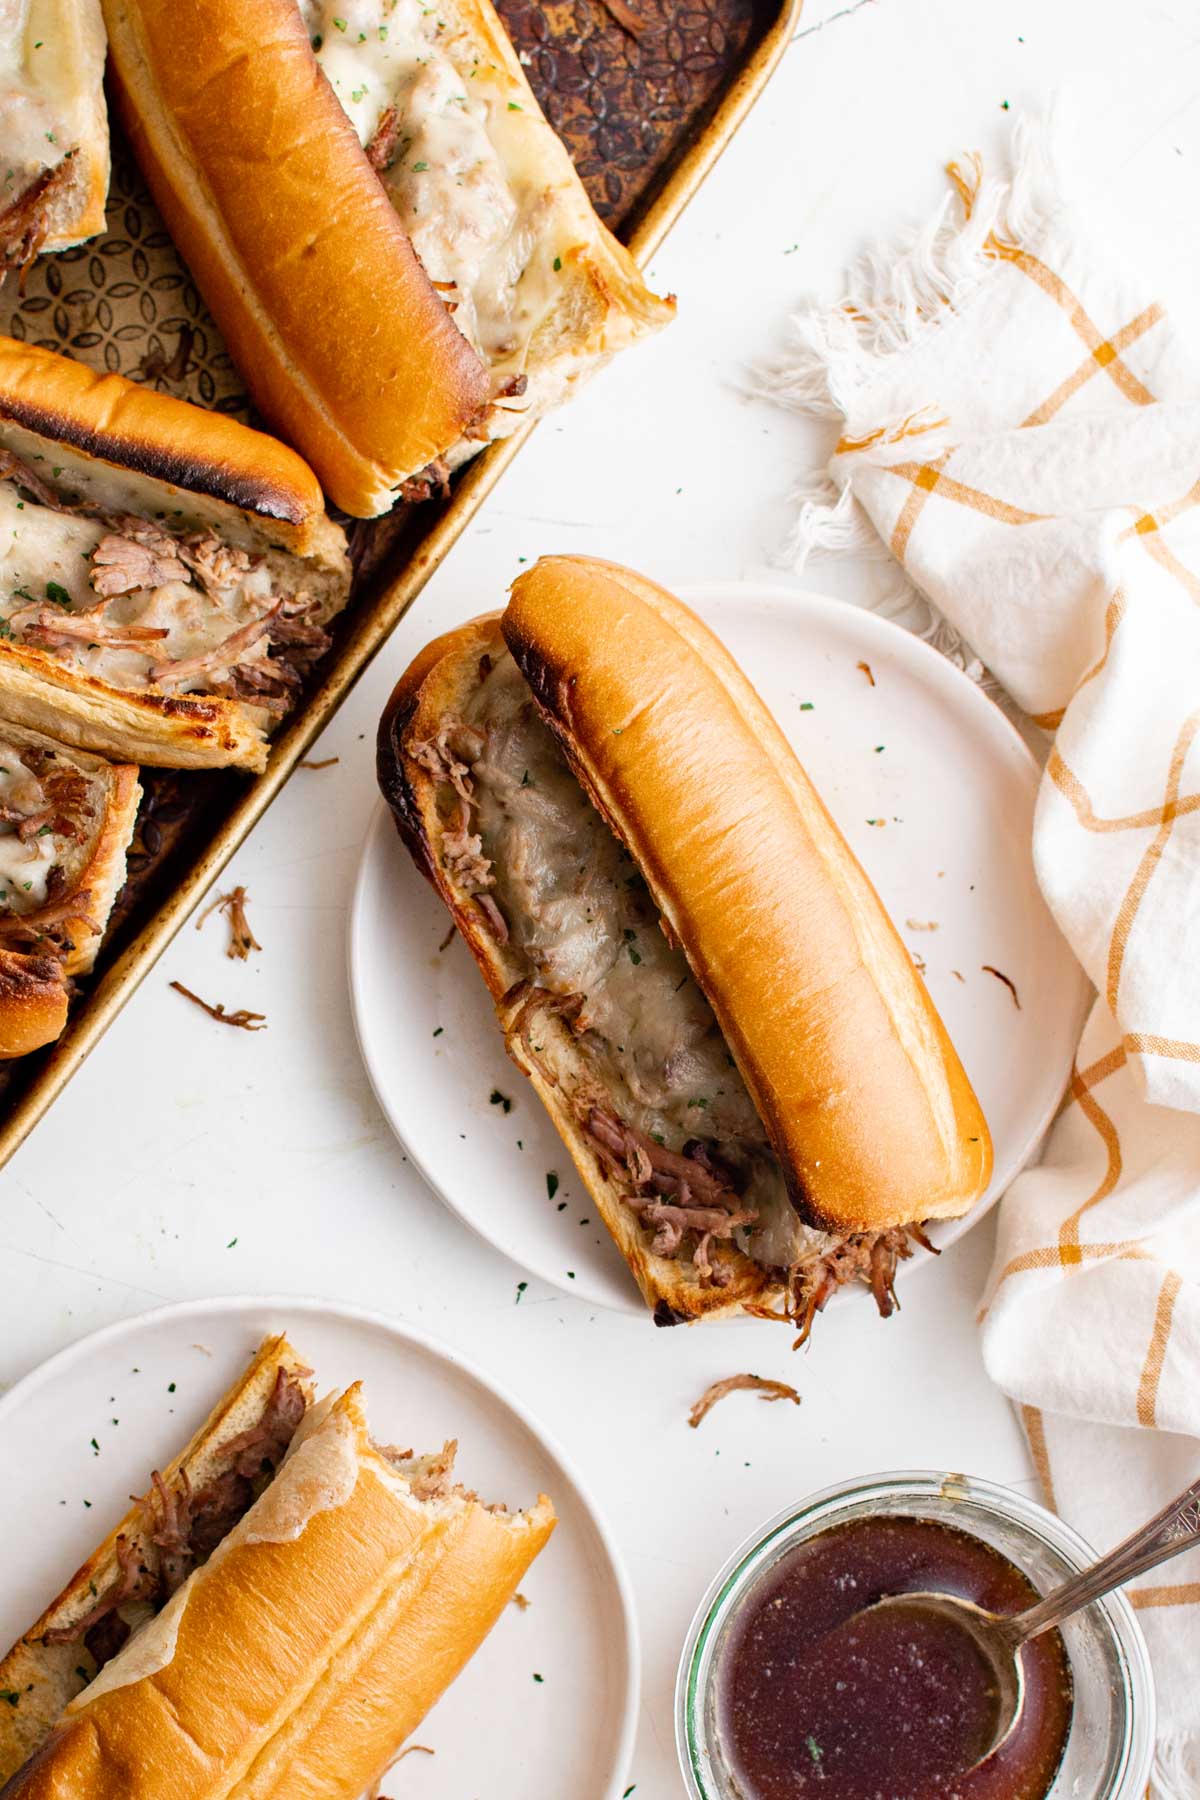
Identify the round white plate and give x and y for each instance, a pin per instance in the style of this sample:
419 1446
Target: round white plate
81 1433
924 751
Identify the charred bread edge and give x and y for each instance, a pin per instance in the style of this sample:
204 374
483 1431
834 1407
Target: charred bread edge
441 385
116 421
438 678
51 1668
169 731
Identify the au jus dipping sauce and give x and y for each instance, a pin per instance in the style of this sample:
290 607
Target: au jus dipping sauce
899 1706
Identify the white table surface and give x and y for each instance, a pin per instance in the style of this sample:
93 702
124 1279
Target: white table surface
188 1160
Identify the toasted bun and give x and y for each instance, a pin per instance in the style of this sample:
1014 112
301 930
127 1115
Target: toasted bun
296 1660
65 90
175 731
342 338
437 682
46 1677
170 443
850 1068
33 1012
33 992
132 449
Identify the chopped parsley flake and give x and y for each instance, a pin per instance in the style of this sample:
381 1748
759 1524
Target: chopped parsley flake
551 1183
499 1099
557 264
56 592
420 168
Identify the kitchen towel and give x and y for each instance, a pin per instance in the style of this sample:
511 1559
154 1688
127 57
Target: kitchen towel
1020 428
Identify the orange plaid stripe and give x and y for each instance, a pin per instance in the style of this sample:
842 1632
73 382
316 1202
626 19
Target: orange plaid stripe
1035 1431
1150 860
1102 357
1068 1235
1069 784
1142 1044
1156 1355
1179 1593
1105 352
1114 612
1050 1256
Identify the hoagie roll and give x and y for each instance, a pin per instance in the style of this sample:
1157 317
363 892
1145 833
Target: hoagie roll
686 958
395 244
346 1588
166 574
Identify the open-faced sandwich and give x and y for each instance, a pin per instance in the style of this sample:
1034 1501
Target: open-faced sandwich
271 1620
166 574
66 820
53 127
686 958
394 242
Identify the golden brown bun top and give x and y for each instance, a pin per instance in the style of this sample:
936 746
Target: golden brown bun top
347 345
170 440
33 1002
845 1057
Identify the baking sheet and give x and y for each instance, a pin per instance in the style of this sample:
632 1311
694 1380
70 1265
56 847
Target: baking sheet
645 118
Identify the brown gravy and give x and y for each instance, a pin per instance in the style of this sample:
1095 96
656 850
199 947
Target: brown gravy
898 1708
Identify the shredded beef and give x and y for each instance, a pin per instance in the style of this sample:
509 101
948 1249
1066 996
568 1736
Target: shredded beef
182 1529
225 655
25 220
382 146
13 469
121 565
216 565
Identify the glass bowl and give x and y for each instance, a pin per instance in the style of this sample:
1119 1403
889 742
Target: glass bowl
1111 1741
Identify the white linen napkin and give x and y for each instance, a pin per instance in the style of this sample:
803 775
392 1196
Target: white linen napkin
1020 425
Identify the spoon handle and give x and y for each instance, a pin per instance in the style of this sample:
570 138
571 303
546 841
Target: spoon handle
1175 1528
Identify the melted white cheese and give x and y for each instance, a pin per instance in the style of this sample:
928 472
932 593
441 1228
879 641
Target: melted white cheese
24 868
45 562
581 918
470 193
42 93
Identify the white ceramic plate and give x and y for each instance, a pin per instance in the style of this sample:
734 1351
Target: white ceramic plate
923 750
139 1389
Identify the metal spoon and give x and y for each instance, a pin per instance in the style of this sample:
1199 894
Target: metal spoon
999 1637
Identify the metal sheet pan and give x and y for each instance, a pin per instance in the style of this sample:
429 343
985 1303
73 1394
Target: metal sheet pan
645 119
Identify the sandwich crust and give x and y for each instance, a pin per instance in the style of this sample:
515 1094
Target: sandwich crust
115 421
46 1677
258 172
850 1068
438 682
270 1671
131 450
33 1012
67 92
